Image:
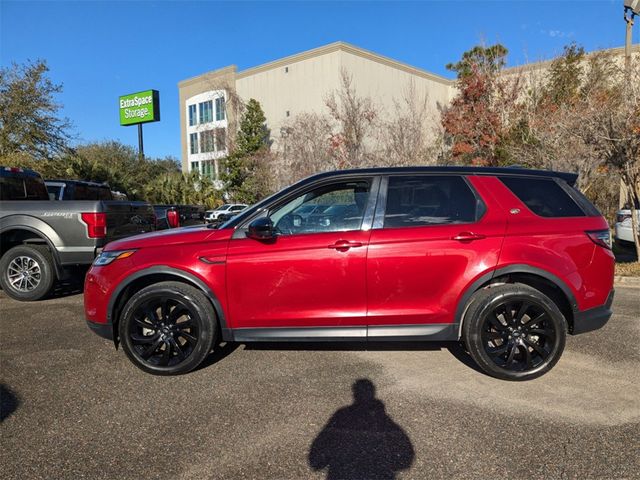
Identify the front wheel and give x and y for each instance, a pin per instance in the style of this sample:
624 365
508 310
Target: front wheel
168 328
514 332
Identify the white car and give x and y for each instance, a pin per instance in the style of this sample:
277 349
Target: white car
623 225
226 209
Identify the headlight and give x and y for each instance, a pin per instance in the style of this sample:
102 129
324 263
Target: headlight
105 258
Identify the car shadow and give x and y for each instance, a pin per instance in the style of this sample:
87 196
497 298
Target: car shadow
72 285
9 402
218 354
454 348
361 441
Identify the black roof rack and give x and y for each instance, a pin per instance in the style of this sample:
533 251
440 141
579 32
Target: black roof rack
570 178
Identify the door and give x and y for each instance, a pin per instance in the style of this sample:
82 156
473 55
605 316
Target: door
433 236
312 274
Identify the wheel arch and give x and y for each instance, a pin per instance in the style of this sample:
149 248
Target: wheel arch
546 282
13 236
148 276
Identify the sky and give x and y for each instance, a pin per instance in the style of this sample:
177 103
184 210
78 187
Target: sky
100 50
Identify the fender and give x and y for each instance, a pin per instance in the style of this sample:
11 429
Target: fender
9 226
516 268
176 272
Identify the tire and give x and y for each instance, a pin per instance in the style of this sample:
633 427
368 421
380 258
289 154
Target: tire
514 332
27 272
168 328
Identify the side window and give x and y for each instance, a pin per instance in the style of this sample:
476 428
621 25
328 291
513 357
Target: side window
331 208
543 196
419 200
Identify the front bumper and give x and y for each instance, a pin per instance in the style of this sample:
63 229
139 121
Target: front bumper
593 318
104 330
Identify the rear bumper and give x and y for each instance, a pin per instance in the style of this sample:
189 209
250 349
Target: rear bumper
104 330
594 318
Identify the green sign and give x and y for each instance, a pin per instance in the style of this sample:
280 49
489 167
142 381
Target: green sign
141 107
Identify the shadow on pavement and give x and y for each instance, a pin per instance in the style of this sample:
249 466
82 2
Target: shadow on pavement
73 285
9 402
360 441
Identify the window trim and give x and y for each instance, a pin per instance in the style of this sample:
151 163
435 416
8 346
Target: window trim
367 218
378 221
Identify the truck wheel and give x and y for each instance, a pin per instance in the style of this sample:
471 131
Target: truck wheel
167 328
26 272
514 332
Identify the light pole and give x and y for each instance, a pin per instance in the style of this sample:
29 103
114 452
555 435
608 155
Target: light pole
631 9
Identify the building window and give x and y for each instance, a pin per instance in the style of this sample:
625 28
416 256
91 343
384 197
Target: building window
206 112
193 143
220 106
286 69
193 118
287 113
207 168
221 139
206 141
195 166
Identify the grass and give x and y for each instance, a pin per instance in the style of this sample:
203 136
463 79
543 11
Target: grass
628 269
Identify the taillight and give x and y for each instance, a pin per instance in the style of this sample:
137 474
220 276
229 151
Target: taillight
600 237
173 219
96 224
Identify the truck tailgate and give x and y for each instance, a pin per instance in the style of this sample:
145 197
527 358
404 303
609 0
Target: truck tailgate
128 218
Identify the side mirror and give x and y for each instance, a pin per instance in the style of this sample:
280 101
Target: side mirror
261 229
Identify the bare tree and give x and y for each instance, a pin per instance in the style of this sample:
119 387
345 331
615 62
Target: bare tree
304 148
355 118
407 137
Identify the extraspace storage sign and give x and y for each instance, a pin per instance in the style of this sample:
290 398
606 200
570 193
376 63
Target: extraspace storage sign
141 107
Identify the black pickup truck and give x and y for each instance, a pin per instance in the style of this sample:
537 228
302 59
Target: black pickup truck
40 239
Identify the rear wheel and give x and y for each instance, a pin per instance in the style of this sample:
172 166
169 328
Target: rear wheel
26 272
168 328
514 332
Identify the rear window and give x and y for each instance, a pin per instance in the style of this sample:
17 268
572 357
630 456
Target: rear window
414 201
543 196
91 192
22 188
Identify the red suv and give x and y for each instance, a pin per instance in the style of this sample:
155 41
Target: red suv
506 260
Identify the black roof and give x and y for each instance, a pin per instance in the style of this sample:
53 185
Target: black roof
570 178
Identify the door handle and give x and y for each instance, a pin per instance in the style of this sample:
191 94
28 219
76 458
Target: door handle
344 245
468 236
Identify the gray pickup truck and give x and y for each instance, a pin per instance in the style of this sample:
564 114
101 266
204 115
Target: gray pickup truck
40 239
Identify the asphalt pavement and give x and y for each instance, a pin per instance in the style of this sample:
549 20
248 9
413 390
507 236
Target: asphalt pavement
74 407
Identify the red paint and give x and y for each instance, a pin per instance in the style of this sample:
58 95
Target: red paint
378 277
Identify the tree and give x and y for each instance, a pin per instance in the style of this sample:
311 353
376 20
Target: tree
29 115
355 121
476 124
242 169
405 138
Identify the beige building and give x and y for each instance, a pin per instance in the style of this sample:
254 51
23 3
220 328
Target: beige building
286 87
296 84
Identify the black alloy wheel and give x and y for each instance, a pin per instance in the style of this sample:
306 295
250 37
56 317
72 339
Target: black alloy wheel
518 335
168 328
514 332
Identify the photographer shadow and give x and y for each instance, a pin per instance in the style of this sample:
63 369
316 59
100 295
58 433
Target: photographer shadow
361 441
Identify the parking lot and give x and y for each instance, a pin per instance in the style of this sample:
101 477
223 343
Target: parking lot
73 407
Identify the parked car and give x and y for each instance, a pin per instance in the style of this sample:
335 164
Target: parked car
228 210
172 216
506 260
78 190
623 229
40 239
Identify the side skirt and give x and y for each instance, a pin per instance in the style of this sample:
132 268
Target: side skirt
421 333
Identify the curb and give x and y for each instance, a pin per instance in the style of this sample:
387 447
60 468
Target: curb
626 281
